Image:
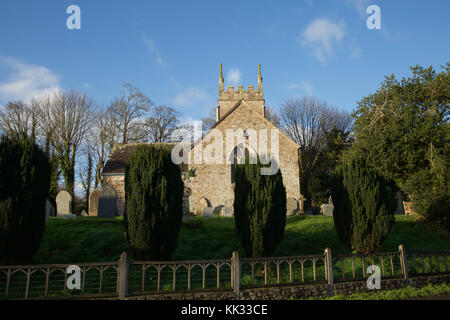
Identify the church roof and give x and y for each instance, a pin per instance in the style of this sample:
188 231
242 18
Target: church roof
231 111
121 152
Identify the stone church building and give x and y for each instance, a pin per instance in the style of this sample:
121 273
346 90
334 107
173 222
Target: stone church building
210 184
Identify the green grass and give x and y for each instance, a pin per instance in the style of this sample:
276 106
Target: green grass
81 240
88 239
396 294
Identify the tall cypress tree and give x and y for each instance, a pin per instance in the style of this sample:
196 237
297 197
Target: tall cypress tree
24 186
259 209
364 206
153 205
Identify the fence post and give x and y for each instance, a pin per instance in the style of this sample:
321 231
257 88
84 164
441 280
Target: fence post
403 261
123 275
329 270
236 273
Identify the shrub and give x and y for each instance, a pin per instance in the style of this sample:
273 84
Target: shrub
430 196
259 209
153 207
24 186
364 206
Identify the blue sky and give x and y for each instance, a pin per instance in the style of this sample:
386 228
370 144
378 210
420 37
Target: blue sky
171 50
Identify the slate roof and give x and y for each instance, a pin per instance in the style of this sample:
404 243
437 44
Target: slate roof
119 156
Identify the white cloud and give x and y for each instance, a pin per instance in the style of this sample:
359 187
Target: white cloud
359 5
190 96
304 86
321 35
234 76
26 81
150 44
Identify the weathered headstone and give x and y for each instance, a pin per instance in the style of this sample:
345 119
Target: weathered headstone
84 213
200 205
69 216
63 203
218 209
327 209
330 200
107 203
93 202
49 209
226 212
301 202
208 212
400 209
292 206
186 211
408 208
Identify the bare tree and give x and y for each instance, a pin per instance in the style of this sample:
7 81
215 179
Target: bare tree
68 116
308 121
161 123
335 119
19 120
129 110
209 120
85 169
273 116
303 121
106 134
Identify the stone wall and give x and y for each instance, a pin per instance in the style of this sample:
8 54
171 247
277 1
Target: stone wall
227 99
390 284
289 292
188 295
285 292
213 181
118 183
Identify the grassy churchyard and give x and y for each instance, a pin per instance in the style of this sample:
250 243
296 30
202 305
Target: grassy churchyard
89 239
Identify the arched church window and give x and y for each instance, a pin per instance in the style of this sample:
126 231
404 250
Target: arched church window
239 155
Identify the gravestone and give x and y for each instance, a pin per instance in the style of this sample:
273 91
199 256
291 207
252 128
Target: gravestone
230 203
49 209
93 202
84 213
327 209
186 206
217 210
200 205
226 212
63 203
69 216
408 208
292 206
208 212
107 203
400 209
301 202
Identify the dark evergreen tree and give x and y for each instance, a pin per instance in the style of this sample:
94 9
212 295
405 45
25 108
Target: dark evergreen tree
153 208
342 213
259 209
24 186
364 206
403 131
